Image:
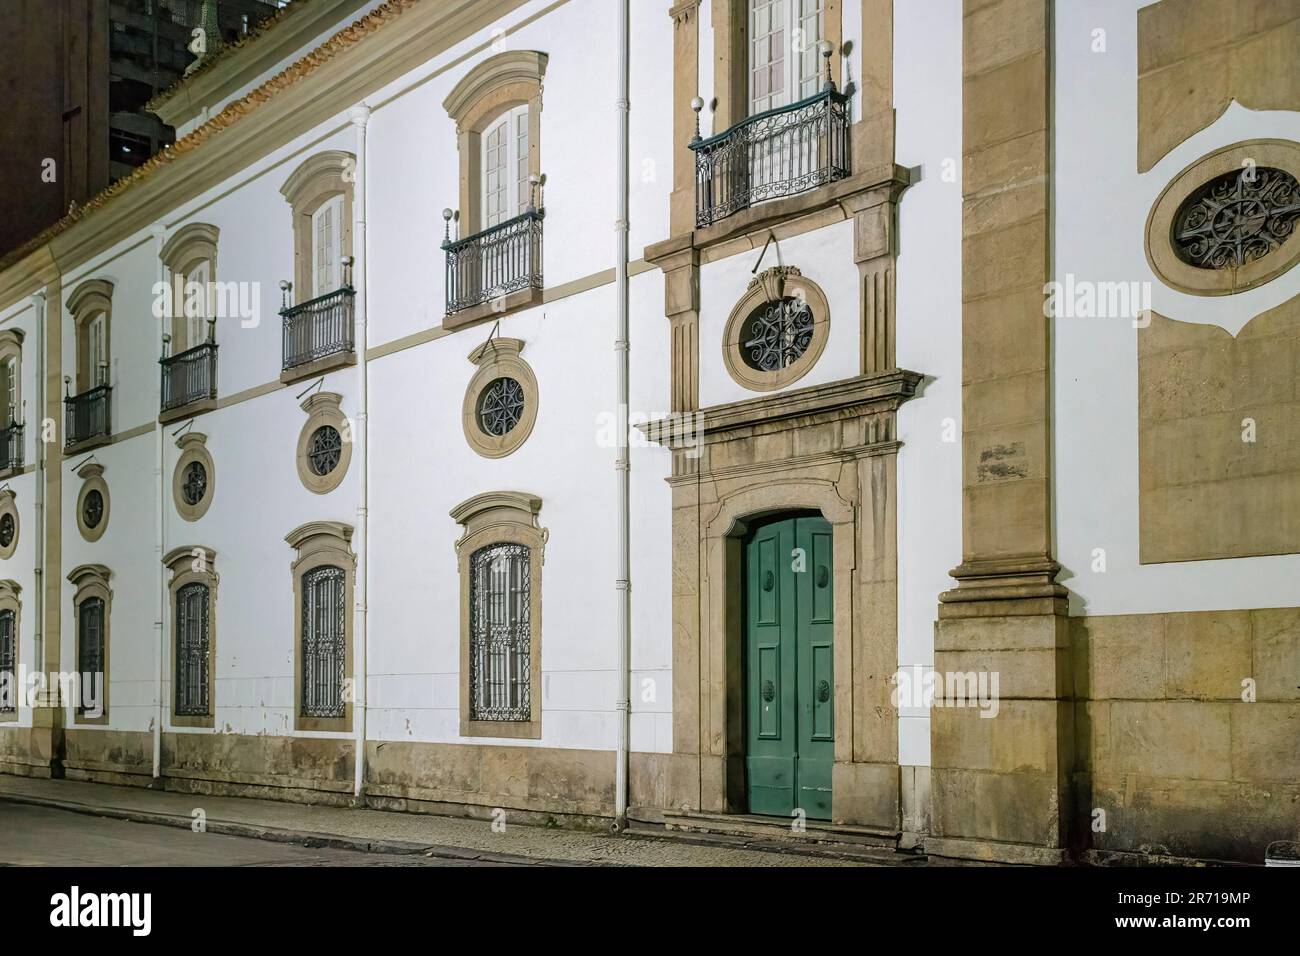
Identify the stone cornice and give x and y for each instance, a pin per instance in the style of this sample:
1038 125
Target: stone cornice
790 216
880 392
239 63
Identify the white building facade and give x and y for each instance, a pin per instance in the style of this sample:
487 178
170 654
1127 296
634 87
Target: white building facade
319 412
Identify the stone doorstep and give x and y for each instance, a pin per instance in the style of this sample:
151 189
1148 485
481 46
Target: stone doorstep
304 838
750 831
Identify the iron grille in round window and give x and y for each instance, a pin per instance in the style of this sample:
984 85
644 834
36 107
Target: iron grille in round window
1237 218
6 530
500 406
195 485
326 449
776 334
92 509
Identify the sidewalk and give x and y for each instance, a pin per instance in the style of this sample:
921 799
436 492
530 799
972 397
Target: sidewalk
390 832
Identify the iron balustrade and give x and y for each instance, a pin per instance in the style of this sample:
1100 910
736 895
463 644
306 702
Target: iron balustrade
318 328
11 446
87 415
189 376
495 262
782 152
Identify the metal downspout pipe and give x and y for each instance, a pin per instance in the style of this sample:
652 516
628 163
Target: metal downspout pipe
360 116
622 466
159 238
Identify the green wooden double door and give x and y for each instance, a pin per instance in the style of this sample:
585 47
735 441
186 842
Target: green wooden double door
789 684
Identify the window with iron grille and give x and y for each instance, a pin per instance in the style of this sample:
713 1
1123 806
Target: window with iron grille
324 642
8 663
90 642
500 634
193 643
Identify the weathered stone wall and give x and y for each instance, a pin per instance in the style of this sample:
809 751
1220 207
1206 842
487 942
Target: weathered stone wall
1197 56
1219 438
1166 745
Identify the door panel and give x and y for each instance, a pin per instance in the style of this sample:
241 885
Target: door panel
789 681
770 705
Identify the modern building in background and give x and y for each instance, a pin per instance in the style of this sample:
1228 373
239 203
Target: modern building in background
965 449
77 75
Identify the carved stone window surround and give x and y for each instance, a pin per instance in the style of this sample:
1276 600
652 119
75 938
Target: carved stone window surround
91 581
497 517
1161 254
322 544
194 565
193 446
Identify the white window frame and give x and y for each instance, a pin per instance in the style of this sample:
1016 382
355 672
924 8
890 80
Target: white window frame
12 371
97 350
803 26
196 325
327 250
513 188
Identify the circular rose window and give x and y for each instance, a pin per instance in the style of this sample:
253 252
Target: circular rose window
500 406
776 334
92 509
1237 218
326 450
1227 223
195 484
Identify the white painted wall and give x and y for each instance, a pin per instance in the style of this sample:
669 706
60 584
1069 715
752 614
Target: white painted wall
1102 204
421 465
927 96
20 566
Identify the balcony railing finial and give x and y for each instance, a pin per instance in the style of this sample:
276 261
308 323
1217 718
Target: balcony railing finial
67 386
285 288
533 182
446 227
697 104
826 50
346 262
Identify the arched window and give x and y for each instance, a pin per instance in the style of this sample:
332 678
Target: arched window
319 193
91 603
191 260
323 580
194 629
10 689
497 109
88 421
500 558
494 259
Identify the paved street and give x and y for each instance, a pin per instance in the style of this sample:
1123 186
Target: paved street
38 836
64 822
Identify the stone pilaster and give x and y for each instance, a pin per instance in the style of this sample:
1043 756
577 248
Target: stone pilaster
686 86
1001 783
875 249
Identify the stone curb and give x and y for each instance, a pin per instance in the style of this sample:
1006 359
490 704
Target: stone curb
305 838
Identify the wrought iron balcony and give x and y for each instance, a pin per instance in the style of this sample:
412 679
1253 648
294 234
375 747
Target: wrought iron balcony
782 152
495 262
189 376
318 328
87 415
11 446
